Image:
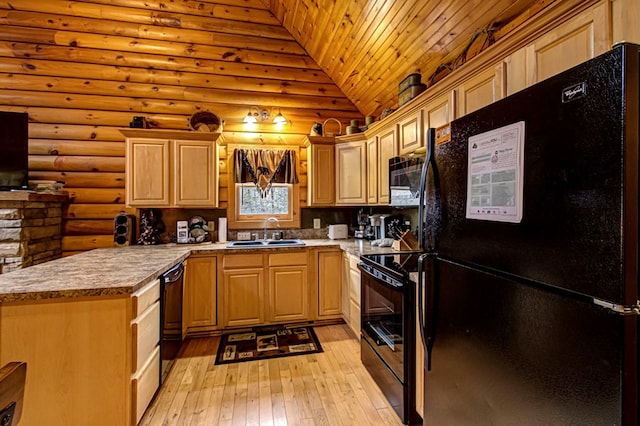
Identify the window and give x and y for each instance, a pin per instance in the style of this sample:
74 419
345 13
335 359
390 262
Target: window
276 203
250 206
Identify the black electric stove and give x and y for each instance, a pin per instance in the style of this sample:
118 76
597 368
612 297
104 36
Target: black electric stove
393 268
387 318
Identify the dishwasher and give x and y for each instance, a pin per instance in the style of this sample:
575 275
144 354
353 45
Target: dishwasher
171 317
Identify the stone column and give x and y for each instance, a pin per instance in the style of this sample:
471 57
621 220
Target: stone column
30 229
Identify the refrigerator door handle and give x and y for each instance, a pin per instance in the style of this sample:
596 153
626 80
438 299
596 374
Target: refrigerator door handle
426 318
431 137
619 309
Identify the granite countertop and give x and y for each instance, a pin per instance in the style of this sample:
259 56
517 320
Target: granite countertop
114 271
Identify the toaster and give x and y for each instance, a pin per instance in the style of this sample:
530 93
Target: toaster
338 232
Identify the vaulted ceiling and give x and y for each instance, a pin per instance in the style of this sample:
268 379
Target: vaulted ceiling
368 46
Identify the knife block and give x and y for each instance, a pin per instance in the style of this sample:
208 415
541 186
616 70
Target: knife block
406 242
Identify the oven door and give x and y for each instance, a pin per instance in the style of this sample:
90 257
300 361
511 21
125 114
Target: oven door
382 321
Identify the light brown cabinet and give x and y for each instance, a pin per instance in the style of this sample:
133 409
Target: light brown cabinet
352 287
372 170
410 133
568 44
145 328
329 284
437 112
99 355
288 287
243 290
321 171
387 149
171 168
265 288
480 90
147 172
200 295
351 172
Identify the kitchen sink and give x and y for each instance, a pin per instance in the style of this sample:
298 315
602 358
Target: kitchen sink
252 243
295 242
266 243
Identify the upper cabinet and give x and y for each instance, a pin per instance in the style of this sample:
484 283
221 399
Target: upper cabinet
351 172
438 112
372 170
585 36
480 90
195 181
171 168
387 149
578 40
321 171
147 172
410 133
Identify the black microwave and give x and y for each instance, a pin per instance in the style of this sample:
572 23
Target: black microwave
404 181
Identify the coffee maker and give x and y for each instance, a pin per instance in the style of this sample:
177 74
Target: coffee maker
392 226
375 226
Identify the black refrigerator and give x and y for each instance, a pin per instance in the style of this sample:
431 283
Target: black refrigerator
529 280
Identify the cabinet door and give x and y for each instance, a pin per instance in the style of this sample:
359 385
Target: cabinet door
346 306
243 297
387 148
438 112
410 134
200 293
354 295
194 174
580 39
372 170
288 293
321 175
351 172
329 284
481 90
147 172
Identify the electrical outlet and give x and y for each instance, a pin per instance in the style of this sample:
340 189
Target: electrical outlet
316 223
244 236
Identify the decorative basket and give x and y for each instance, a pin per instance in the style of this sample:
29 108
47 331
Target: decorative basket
204 121
330 134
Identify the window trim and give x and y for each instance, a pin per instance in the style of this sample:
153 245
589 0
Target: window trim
257 222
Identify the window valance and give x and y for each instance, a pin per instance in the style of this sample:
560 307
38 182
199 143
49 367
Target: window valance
264 167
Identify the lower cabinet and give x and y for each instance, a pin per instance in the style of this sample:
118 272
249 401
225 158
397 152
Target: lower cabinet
329 284
199 311
276 287
91 360
145 333
243 290
288 287
352 286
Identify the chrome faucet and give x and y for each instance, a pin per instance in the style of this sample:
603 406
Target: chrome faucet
266 223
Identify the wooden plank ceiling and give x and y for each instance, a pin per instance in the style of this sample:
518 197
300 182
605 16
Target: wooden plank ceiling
368 46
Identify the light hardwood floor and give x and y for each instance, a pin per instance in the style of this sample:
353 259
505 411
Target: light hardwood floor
328 388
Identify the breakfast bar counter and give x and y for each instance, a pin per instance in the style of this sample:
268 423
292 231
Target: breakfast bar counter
113 271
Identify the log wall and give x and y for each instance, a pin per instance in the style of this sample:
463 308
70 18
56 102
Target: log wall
83 69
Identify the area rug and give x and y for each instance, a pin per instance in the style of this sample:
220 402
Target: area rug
267 342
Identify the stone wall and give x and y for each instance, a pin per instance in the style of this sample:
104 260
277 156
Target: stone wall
29 231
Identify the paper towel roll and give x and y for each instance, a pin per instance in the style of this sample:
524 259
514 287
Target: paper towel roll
222 229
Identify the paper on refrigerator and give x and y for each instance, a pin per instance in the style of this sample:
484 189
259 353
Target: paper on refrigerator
495 174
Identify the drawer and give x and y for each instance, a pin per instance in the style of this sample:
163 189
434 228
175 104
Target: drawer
353 262
145 297
242 261
286 259
146 335
145 383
